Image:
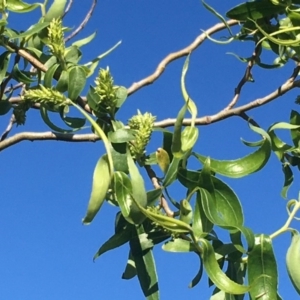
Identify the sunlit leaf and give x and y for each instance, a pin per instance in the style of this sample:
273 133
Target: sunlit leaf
101 182
115 241
77 80
56 10
262 269
246 165
145 267
254 10
217 276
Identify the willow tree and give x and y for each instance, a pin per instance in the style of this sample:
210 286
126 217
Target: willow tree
39 71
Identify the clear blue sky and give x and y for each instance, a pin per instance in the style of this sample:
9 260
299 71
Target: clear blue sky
46 253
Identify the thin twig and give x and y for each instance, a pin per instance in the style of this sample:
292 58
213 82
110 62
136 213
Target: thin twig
68 8
83 23
173 56
37 136
245 78
163 202
9 127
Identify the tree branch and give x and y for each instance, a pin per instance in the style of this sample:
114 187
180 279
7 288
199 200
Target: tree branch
83 23
224 114
173 56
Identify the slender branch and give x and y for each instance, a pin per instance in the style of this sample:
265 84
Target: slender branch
245 78
163 202
68 8
238 111
173 56
83 23
9 127
46 136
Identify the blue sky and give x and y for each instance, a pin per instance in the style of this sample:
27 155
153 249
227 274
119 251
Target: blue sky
46 253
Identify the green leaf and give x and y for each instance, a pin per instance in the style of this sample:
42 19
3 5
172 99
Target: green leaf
219 16
84 41
122 135
288 180
254 10
117 240
145 267
63 82
201 224
93 99
171 174
179 245
216 275
5 107
123 192
73 55
130 270
49 75
32 30
153 195
56 10
262 269
138 188
295 133
119 156
4 60
121 94
198 276
76 123
189 138
163 159
176 141
46 119
191 104
19 6
101 183
21 76
243 166
77 80
92 65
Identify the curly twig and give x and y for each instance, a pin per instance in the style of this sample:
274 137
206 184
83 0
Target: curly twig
83 23
246 77
173 56
68 8
9 127
163 202
238 111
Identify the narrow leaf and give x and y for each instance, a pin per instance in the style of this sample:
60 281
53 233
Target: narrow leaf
101 182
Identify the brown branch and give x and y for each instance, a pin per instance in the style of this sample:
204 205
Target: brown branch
163 202
46 136
173 56
9 127
246 77
238 111
68 8
83 23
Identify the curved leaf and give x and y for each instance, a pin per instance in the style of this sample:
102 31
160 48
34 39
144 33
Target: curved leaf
77 80
145 267
101 182
262 269
243 166
56 10
216 275
117 240
254 10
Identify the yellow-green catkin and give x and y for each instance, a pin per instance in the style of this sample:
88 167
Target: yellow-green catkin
143 125
106 90
56 38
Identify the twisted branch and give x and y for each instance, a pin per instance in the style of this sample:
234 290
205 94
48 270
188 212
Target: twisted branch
221 115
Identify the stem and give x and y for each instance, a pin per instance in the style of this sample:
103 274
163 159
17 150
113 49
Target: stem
285 227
